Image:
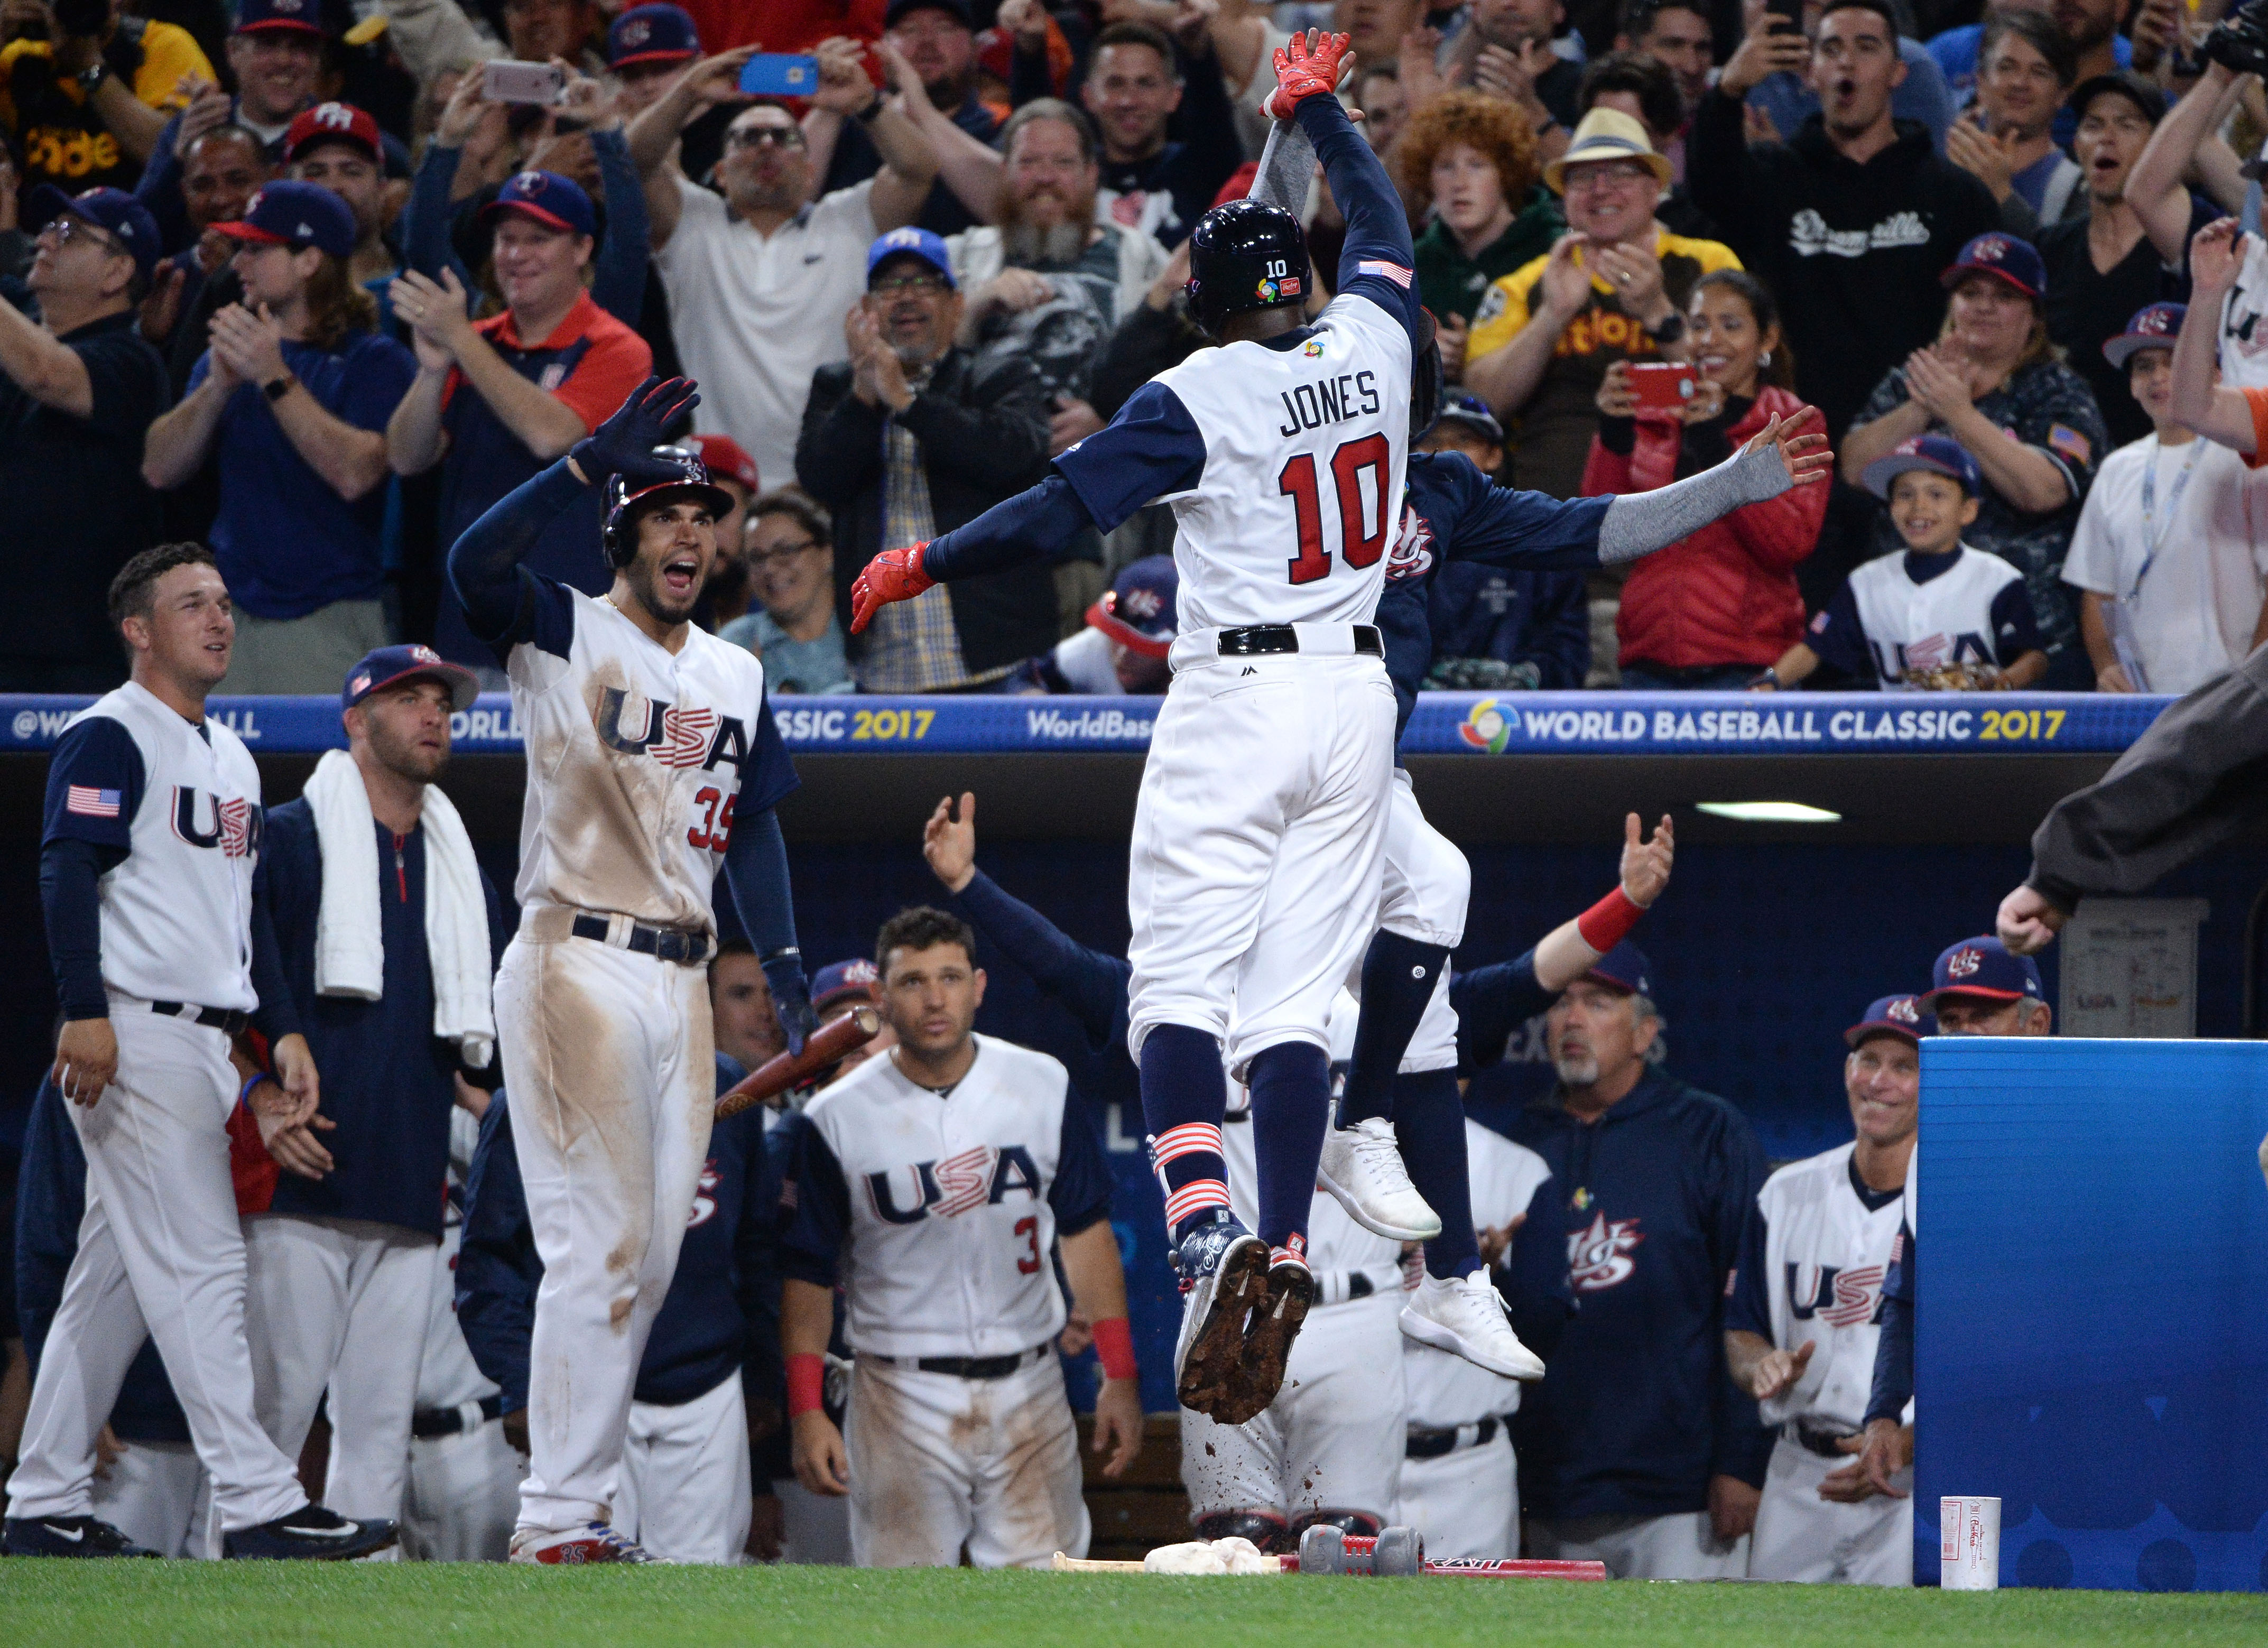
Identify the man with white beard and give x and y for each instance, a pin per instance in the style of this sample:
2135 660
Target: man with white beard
1050 281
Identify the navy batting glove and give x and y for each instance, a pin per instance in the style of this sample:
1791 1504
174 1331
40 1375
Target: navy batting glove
791 1000
623 445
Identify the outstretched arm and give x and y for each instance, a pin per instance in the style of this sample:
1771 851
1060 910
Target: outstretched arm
2200 403
1377 256
1777 458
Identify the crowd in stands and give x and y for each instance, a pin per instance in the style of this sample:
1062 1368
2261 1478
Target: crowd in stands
315 283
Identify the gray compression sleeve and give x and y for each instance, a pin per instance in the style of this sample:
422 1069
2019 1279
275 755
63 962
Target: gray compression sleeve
1638 523
1287 165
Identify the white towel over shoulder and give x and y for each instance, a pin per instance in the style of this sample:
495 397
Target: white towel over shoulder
350 944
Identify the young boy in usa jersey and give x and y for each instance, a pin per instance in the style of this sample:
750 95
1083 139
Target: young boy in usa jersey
1940 615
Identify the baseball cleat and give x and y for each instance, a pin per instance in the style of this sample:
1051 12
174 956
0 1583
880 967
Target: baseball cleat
68 1536
1362 1168
592 1542
310 1534
1275 1324
1224 1270
1465 1317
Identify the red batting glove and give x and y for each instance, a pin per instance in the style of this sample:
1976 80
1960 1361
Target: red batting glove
894 574
1301 74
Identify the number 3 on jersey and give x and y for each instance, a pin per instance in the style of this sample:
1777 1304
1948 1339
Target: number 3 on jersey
1363 524
714 832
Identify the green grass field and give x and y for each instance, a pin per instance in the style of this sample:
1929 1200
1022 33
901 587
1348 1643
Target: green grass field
376 1606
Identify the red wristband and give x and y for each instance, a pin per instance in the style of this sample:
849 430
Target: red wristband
806 1378
1114 1344
1608 923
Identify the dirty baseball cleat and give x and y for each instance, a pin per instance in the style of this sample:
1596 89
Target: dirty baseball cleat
1224 1271
1465 1317
1362 1168
1275 1319
68 1536
310 1534
592 1542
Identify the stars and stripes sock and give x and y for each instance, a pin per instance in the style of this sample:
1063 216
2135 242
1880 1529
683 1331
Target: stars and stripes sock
1183 1096
1399 977
1428 1125
1290 1085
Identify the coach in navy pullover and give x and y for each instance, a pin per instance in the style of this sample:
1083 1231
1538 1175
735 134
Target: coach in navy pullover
721 1313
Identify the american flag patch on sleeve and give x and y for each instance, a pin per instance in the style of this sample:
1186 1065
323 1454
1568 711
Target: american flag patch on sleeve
2068 441
1394 272
88 802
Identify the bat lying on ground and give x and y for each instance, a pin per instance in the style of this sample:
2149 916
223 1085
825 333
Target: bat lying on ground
775 1075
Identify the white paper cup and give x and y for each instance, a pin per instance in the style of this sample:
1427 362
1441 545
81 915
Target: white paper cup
1970 1547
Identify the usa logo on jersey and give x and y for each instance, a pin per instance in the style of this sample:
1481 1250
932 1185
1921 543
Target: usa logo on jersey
675 738
210 821
1599 1257
1841 1299
981 1176
1412 554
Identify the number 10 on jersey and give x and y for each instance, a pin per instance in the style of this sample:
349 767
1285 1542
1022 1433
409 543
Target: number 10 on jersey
1363 525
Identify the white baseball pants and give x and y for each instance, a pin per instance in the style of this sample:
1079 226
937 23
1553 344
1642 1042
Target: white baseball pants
1427 884
1801 1537
161 1255
1678 1547
1466 1503
1332 1440
334 1305
1258 839
937 1462
685 1493
608 1060
462 1491
158 1496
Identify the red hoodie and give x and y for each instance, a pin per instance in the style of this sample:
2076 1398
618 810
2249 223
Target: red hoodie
1727 594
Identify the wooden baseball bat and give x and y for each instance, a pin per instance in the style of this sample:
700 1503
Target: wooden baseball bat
775 1075
1454 1568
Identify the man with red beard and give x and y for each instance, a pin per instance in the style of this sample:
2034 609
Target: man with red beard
1048 282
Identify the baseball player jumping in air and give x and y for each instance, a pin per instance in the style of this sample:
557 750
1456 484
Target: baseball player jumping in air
652 759
1806 1312
146 860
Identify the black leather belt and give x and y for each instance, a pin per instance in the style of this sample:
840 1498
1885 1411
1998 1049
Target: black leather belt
1813 1439
974 1367
1359 1285
227 1020
1255 639
1425 1444
664 944
428 1423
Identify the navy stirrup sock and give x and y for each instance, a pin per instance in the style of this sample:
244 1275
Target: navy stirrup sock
1291 1086
1428 1125
1399 977
1184 1094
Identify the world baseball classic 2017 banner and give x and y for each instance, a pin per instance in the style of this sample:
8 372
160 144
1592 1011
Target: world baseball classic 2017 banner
1444 724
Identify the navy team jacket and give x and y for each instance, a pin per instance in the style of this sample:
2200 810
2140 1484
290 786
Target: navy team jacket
1637 1412
722 1309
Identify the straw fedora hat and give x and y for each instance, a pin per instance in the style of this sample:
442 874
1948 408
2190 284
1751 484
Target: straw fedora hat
1605 134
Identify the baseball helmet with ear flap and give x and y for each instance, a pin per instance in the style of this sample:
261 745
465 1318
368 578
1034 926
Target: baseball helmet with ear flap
624 504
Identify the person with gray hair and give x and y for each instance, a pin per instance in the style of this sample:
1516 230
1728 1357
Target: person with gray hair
1636 1449
1047 281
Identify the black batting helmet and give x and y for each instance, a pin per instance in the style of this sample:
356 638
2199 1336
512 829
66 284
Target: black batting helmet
1245 255
625 504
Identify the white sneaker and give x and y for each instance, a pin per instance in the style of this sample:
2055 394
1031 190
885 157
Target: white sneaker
1466 1318
1362 1168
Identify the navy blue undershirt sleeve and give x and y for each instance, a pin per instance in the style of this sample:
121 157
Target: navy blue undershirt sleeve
1527 532
1893 1349
1750 1309
73 905
1091 984
814 1204
1035 525
1080 1191
277 1014
756 870
95 783
1535 1273
1490 1003
1152 449
1378 226
498 1269
503 604
2015 627
1839 638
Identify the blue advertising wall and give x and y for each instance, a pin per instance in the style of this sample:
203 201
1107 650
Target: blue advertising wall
2092 1331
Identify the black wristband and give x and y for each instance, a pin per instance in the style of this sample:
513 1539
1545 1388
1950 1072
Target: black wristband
872 113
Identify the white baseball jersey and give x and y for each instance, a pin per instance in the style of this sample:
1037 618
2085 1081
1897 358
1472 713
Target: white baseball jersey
1824 1258
1951 619
1446 1390
637 760
1289 465
184 802
937 1215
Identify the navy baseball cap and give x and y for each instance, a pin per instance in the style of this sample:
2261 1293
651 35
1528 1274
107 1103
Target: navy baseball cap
547 198
2144 96
1940 454
910 243
652 33
1625 968
843 981
1137 611
1474 414
2004 257
1983 967
116 213
2154 327
251 16
390 665
289 213
1891 1015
